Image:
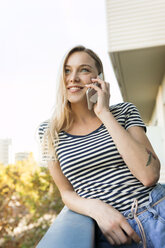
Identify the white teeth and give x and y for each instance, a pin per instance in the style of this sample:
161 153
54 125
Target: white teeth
75 88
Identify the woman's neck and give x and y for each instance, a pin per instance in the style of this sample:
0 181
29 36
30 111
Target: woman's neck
81 113
85 121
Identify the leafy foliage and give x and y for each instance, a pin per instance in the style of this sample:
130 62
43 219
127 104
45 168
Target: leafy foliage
29 202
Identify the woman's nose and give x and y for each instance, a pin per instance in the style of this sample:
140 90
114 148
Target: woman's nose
74 77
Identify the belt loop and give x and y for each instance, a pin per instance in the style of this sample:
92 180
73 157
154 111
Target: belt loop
153 211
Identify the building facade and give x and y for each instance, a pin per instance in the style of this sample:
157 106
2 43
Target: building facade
19 156
136 46
5 151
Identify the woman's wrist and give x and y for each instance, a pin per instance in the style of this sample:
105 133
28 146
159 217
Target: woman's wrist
95 208
104 115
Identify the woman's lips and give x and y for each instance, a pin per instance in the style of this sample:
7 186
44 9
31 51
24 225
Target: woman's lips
73 89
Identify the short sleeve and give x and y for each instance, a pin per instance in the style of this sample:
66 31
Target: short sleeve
133 117
44 154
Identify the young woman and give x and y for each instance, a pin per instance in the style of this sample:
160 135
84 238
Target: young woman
101 159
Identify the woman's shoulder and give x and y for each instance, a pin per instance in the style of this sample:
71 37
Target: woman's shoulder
122 107
42 127
44 124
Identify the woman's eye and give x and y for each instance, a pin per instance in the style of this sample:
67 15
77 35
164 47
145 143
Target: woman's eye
67 71
84 70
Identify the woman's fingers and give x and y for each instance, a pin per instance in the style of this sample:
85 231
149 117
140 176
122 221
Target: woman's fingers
103 84
111 237
94 86
130 232
110 240
124 239
104 89
103 95
117 237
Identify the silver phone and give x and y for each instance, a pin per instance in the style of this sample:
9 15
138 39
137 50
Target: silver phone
92 94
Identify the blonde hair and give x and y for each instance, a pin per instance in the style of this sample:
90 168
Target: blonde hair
62 117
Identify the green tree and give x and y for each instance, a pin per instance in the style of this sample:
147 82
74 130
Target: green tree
29 201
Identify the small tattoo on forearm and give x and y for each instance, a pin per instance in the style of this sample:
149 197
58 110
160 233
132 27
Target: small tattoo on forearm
150 157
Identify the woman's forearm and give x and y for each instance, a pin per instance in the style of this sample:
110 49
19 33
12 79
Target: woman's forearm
137 157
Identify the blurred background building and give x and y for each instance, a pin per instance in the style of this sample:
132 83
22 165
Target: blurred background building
7 155
19 156
136 46
6 151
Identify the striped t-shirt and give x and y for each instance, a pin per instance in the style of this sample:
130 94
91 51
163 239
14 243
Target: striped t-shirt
94 166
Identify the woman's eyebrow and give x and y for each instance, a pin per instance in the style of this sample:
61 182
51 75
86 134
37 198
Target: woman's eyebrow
80 66
87 65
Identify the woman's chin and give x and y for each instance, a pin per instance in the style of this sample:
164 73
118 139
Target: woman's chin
77 100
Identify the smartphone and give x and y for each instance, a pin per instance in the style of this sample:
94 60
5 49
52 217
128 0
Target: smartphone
92 94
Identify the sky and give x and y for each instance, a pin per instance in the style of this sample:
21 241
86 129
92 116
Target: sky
34 36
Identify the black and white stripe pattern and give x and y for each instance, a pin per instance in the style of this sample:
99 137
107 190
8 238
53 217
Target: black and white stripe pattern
94 166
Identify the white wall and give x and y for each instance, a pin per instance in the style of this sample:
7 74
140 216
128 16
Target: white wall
133 24
156 129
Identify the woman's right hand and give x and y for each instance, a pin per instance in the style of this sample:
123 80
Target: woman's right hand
114 226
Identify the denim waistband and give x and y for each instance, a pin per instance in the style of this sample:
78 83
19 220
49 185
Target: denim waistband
155 195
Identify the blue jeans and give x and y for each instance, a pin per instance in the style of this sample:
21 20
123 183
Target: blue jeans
152 219
69 230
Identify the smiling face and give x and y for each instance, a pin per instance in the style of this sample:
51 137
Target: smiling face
79 68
